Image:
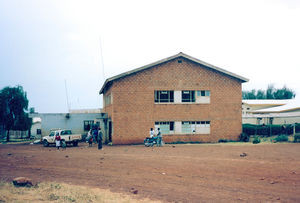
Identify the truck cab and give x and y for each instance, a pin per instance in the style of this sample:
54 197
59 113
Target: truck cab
65 135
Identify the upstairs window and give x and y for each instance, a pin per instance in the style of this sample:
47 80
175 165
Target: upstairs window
107 100
164 96
188 96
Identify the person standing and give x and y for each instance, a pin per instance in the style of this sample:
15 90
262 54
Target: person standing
90 138
57 140
95 134
100 136
151 133
159 138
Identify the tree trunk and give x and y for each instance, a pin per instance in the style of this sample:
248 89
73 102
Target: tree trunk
7 136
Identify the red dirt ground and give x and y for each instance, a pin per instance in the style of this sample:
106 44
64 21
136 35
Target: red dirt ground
176 173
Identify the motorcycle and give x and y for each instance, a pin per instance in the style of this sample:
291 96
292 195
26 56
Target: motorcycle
149 142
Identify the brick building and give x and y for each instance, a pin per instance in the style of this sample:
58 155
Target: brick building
188 99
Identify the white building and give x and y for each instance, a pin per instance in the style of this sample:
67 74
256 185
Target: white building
271 111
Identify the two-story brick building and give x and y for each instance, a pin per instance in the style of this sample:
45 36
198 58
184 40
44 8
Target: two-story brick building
188 99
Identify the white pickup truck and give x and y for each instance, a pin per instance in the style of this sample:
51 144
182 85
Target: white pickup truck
65 135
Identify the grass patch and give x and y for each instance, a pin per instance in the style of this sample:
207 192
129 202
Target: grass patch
57 192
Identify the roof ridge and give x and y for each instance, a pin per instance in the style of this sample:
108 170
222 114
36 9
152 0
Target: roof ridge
180 54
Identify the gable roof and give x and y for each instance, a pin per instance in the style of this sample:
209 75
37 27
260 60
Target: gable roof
183 55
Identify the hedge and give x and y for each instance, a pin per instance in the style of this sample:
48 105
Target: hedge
264 130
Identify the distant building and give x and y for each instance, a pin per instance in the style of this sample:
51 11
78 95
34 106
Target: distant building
271 111
36 128
79 121
188 99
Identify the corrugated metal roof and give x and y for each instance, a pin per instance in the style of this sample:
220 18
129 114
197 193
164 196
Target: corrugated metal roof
109 80
291 105
266 101
273 115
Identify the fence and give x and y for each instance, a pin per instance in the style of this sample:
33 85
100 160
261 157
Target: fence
269 130
15 134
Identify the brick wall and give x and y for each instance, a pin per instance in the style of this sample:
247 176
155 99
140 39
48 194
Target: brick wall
133 111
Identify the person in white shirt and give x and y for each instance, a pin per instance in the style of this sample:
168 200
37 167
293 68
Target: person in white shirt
151 132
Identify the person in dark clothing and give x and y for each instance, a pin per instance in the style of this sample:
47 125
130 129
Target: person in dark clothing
159 138
95 135
100 136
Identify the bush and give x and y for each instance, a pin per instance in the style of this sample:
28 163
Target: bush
256 140
244 137
281 138
297 138
297 127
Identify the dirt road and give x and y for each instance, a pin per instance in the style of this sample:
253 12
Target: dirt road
176 173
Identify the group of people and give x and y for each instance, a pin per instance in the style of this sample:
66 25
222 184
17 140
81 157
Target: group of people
95 135
59 142
159 140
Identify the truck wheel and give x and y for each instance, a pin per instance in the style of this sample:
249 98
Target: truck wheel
75 143
45 143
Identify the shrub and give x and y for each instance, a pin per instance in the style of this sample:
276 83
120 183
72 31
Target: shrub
249 129
256 140
282 138
244 137
297 138
223 140
297 127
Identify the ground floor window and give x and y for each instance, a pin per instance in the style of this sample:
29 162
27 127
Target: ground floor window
166 127
87 125
199 127
38 131
183 127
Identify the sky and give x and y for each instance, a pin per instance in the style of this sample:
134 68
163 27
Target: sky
62 51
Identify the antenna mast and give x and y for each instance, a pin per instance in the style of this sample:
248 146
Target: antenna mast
68 105
103 76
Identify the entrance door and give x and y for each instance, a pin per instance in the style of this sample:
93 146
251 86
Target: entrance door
110 131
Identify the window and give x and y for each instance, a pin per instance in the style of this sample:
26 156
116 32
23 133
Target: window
87 125
188 126
205 93
107 100
166 127
38 131
203 96
188 96
198 127
66 132
163 96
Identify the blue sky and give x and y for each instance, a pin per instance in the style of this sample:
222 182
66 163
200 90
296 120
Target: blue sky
45 43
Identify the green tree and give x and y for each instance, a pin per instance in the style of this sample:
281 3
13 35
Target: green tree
260 94
270 93
13 107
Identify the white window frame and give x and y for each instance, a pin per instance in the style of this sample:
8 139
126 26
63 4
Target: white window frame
195 127
192 96
158 93
163 124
